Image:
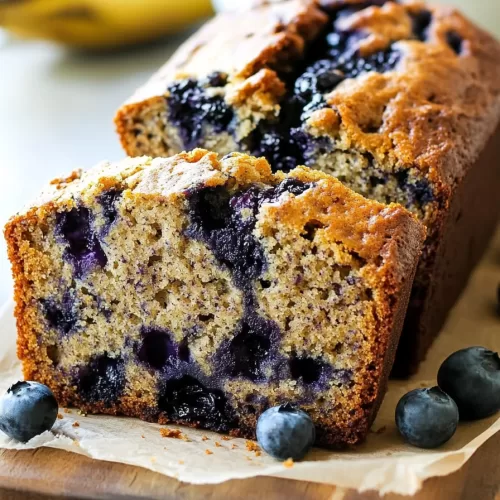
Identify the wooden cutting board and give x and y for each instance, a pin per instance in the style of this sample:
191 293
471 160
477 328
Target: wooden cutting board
48 473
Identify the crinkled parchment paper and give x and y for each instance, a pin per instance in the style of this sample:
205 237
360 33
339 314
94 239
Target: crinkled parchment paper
384 463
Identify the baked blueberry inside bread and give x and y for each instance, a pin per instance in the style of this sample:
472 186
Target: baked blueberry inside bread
203 291
398 100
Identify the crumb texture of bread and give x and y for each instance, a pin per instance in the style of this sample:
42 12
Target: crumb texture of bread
202 291
397 100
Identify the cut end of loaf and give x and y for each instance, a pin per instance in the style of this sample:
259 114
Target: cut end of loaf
202 291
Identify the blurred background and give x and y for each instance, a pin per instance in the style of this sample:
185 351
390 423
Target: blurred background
57 104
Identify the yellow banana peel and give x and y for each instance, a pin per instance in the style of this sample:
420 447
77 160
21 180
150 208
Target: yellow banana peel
94 24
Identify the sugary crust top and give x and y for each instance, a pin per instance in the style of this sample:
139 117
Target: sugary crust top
269 36
368 228
435 111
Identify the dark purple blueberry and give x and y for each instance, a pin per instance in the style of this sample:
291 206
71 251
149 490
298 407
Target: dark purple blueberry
278 144
421 192
272 145
184 352
285 432
420 23
327 80
26 410
377 181
157 349
228 235
216 79
381 62
343 61
210 209
108 201
289 185
472 378
309 370
216 219
84 251
191 109
418 192
102 380
427 418
321 77
62 316
186 399
251 350
310 147
455 41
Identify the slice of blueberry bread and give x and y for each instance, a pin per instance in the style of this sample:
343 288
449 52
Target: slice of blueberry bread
202 292
398 100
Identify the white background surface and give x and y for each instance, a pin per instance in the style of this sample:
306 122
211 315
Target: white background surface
56 111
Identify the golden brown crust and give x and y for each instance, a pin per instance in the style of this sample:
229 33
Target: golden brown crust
265 37
435 112
387 239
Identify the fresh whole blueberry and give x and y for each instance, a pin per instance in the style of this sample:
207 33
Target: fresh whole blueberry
285 432
472 378
427 418
26 410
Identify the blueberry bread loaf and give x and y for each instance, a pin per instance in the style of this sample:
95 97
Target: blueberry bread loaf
200 291
398 100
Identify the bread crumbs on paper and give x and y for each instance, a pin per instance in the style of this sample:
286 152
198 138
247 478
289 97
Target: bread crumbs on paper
288 463
172 433
76 424
234 446
204 438
181 462
381 430
67 410
252 446
76 443
142 436
226 438
208 452
59 416
218 444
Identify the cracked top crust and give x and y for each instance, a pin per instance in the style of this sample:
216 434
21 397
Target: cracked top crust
435 111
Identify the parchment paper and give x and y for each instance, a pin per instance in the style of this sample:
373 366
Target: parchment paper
384 463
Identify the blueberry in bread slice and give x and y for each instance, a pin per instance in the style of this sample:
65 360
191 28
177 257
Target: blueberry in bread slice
398 100
203 291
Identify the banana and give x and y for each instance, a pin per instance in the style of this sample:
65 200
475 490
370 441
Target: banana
94 24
